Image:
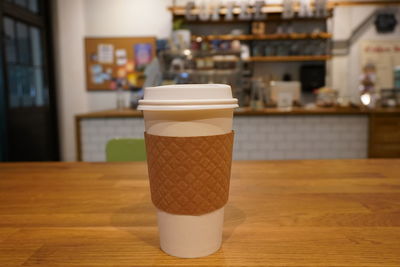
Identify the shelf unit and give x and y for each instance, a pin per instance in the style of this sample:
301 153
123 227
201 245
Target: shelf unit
274 16
302 33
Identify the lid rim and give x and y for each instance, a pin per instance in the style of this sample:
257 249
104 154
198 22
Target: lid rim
184 107
185 102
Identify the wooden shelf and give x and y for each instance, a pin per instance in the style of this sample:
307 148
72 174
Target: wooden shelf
267 8
290 58
228 37
247 37
200 53
270 18
208 71
363 3
277 8
291 36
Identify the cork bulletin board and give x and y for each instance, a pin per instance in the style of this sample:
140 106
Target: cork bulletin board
106 56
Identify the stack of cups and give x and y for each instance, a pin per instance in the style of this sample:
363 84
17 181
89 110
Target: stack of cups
189 143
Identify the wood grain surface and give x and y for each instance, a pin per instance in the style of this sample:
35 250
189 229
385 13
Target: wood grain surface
280 213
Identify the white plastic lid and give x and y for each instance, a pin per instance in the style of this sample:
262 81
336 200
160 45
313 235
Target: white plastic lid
188 97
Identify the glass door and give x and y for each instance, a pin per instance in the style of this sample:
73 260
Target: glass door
31 130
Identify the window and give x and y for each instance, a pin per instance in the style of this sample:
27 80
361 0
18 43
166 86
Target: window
31 5
24 59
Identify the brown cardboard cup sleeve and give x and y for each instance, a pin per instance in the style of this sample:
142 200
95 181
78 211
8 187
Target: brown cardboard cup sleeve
189 175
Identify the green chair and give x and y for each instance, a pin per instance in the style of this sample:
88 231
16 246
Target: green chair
125 149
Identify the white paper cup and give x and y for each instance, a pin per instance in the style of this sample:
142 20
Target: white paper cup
182 111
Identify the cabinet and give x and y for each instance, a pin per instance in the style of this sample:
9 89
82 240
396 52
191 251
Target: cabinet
384 139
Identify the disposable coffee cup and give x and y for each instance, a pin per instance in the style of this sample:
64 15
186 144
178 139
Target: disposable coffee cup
189 110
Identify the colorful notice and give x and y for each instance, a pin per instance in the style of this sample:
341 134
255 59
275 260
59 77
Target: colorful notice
143 55
97 74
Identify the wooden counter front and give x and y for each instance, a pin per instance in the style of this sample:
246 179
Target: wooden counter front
280 213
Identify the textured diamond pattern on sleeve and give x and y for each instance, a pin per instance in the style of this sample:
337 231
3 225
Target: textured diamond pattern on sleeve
189 175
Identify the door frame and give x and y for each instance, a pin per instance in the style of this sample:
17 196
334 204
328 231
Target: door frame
44 22
3 95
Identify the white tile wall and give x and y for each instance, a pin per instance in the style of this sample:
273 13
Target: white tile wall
300 137
95 134
256 137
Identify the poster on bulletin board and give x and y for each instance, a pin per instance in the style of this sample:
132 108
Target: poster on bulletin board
110 58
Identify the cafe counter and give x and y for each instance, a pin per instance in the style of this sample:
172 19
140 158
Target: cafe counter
317 133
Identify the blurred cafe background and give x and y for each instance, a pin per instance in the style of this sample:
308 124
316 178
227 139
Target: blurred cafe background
315 79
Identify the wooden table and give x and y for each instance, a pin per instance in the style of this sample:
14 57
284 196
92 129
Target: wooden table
280 213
